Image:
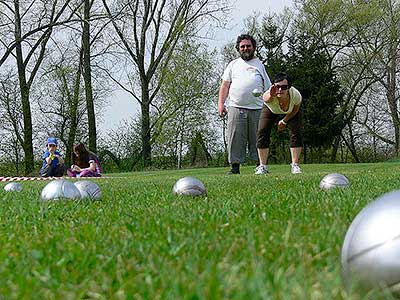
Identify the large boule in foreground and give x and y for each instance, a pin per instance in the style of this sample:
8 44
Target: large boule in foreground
371 248
13 187
334 180
189 186
88 190
60 189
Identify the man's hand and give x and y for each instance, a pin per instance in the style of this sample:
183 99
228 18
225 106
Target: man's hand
222 95
222 110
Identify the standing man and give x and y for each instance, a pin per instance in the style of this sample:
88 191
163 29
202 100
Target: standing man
240 78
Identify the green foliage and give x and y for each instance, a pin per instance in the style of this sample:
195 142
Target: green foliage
253 237
198 152
272 36
8 169
186 108
310 68
313 76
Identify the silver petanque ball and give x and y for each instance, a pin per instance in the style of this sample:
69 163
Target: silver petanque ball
189 186
371 248
88 189
334 180
13 187
257 93
60 189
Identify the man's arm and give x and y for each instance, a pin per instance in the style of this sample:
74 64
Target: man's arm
222 95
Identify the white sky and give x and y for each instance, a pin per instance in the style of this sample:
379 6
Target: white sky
122 106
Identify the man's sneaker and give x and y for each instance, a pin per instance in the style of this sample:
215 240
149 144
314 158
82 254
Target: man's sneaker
260 170
296 168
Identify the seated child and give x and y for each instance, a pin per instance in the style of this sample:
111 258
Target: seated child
85 163
53 163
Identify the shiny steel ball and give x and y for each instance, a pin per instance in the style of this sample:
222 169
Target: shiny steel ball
88 190
371 248
13 187
257 93
189 186
334 180
60 189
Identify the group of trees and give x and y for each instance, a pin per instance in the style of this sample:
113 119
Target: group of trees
58 56
61 60
344 57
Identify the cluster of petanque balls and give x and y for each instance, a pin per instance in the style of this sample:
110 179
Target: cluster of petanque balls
371 250
61 189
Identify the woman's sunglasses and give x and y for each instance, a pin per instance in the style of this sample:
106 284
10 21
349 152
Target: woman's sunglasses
283 87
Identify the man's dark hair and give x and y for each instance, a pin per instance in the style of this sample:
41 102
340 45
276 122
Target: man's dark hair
245 37
282 76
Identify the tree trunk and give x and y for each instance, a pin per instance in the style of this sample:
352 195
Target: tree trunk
145 134
180 140
73 108
335 148
24 90
350 145
87 75
391 97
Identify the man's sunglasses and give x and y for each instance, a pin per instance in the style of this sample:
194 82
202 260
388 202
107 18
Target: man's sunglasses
283 87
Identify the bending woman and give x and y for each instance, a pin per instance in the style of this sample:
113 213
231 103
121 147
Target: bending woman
282 104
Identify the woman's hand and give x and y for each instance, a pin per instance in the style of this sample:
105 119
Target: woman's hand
281 125
76 168
273 90
271 93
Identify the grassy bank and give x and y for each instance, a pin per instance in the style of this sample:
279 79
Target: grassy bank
253 237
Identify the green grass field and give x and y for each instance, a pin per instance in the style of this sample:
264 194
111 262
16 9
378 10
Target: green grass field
253 237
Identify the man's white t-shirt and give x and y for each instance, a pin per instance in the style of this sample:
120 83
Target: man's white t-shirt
245 76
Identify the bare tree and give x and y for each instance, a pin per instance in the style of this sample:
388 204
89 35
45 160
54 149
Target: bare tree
10 114
65 108
32 24
184 107
379 55
149 32
87 75
355 45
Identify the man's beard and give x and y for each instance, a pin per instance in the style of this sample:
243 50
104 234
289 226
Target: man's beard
247 55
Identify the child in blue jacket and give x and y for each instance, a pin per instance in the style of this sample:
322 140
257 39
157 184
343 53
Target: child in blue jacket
53 163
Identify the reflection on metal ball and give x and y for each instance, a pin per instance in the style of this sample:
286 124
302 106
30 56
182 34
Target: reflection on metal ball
334 180
371 248
189 186
13 187
60 189
88 189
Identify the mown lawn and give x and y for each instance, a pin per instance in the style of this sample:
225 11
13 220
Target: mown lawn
253 237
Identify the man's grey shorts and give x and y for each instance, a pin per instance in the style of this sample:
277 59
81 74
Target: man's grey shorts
241 134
